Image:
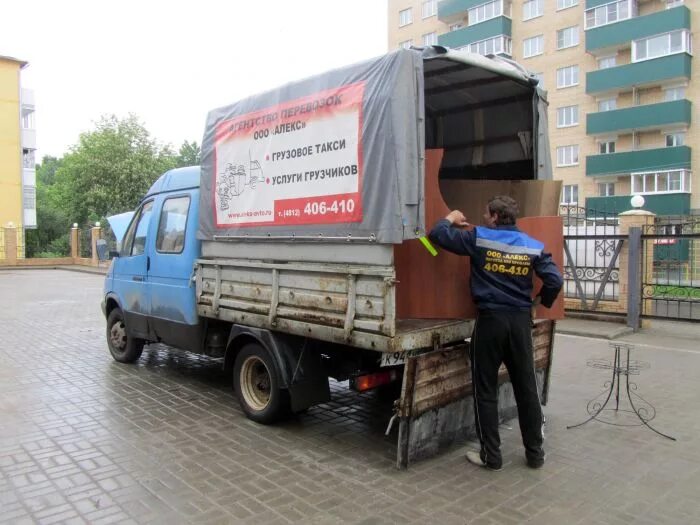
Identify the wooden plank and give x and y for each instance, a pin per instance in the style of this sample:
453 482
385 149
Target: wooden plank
438 287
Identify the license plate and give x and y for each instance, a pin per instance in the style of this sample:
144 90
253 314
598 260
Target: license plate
394 358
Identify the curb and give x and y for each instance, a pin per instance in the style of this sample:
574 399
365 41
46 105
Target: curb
76 268
609 335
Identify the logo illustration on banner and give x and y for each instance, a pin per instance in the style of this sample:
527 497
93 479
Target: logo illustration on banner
296 163
233 181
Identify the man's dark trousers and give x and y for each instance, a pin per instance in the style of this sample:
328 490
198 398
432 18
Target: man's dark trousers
505 337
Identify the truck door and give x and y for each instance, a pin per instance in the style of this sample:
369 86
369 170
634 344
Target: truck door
131 273
173 310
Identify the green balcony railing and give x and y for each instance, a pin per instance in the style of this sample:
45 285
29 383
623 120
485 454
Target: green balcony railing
596 3
646 73
638 160
622 33
449 10
663 204
500 25
649 116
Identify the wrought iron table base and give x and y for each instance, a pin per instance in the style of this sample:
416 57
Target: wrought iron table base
644 410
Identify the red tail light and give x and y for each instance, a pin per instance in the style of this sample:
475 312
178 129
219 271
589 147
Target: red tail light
370 381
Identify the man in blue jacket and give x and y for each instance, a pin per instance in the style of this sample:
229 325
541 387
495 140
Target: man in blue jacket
503 260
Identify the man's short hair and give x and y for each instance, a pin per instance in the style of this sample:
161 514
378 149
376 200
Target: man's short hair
505 207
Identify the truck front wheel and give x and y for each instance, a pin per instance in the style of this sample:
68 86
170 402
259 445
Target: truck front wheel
257 384
124 347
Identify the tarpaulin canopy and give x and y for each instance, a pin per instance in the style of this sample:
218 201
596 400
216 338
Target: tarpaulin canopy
340 156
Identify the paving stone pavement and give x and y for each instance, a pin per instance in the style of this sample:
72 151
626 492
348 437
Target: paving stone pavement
84 439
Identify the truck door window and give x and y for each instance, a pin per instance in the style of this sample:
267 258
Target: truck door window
172 225
129 235
142 229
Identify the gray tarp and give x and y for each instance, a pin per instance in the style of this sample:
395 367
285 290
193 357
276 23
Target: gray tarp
326 158
340 155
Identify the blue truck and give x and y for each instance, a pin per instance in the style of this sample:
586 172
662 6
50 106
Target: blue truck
311 294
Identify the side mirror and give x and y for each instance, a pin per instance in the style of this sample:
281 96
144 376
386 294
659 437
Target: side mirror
113 254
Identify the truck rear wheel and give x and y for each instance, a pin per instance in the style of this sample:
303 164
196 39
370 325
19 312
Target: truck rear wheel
256 381
123 347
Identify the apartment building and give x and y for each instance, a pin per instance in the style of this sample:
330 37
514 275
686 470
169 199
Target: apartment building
17 151
619 82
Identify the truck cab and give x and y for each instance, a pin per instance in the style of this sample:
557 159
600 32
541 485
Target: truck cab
148 286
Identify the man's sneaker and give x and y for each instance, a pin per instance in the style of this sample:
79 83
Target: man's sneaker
475 457
536 463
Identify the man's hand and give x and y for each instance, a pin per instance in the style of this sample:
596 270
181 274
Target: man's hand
457 218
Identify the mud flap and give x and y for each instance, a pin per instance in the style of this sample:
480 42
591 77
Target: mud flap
436 409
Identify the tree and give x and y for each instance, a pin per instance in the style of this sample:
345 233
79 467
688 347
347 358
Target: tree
110 169
51 237
189 154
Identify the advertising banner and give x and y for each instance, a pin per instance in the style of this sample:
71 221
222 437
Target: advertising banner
299 162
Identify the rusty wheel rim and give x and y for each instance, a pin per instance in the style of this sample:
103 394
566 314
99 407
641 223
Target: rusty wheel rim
255 383
117 336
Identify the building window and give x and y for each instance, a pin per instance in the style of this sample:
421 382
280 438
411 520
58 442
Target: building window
406 44
675 139
567 37
606 147
405 17
606 189
492 46
533 46
430 39
607 104
533 9
565 4
607 62
569 194
674 93
455 27
429 8
661 45
675 181
567 155
610 13
673 3
486 11
567 116
27 120
567 76
28 159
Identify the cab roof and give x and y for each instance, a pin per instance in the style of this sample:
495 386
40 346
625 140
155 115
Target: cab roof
176 179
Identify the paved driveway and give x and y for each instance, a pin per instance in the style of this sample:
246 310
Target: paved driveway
84 439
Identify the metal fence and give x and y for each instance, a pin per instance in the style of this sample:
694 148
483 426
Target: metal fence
2 244
592 245
671 268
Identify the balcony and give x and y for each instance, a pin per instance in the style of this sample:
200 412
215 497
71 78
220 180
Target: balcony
500 25
662 70
663 204
27 98
619 35
638 118
28 138
627 162
454 10
29 176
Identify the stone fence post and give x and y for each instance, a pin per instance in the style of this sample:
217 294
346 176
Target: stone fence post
643 260
95 232
75 242
11 244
